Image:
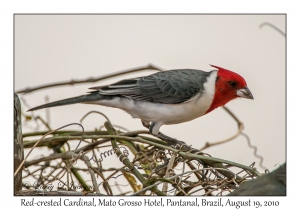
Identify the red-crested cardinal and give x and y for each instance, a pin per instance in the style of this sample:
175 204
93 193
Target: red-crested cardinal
168 97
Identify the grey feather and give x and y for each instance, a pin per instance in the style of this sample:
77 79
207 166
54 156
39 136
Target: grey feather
169 87
79 99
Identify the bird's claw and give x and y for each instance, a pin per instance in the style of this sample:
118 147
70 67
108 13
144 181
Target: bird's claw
174 142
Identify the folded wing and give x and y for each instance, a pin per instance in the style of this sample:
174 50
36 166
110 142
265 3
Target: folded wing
169 87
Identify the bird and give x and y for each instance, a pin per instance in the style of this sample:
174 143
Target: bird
167 97
271 184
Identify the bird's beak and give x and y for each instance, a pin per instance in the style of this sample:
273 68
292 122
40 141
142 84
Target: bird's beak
244 93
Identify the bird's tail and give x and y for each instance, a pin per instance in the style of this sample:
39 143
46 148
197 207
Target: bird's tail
94 96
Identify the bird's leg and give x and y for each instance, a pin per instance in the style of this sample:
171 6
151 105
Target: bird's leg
154 130
146 124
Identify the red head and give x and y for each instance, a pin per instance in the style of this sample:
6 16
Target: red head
229 85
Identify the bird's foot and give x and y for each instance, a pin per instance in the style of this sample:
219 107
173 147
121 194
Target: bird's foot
174 142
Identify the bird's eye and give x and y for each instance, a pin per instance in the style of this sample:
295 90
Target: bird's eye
233 84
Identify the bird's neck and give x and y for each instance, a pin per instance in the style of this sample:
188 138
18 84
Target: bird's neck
222 95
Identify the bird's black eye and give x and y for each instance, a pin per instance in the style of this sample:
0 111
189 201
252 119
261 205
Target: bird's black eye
233 84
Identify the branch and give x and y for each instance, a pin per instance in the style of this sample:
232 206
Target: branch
55 139
272 26
66 132
56 193
240 129
21 165
208 160
177 175
125 159
91 80
89 165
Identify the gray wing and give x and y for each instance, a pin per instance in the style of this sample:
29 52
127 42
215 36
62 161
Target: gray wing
168 87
